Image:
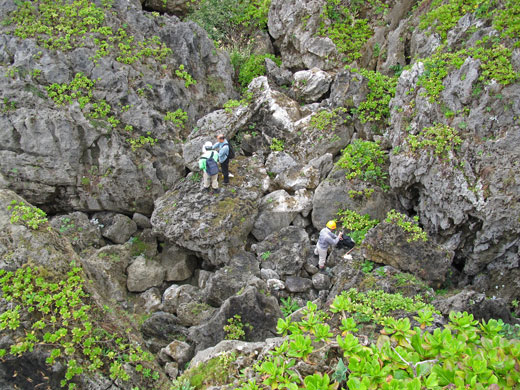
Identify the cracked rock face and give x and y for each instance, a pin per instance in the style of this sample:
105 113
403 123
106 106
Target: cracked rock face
61 158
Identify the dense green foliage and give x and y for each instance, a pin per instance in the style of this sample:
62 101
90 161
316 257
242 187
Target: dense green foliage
408 225
32 217
381 89
57 315
226 20
326 120
340 22
357 225
64 25
443 15
465 354
364 160
441 139
254 66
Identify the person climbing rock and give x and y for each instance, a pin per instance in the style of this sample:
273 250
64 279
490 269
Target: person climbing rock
223 156
327 238
208 165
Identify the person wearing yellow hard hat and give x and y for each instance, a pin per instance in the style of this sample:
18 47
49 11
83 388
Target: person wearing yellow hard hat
327 238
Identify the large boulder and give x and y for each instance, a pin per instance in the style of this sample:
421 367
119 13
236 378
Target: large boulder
117 228
294 26
107 268
232 278
82 233
215 227
144 274
20 244
285 251
311 84
261 312
338 192
278 209
388 243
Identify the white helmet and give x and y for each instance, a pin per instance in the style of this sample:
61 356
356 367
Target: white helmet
206 146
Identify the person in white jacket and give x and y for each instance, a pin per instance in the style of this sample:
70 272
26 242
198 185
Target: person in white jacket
327 238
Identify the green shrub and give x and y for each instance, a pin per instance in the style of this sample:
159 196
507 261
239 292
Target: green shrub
235 328
325 120
465 354
178 118
381 89
410 228
59 316
364 160
440 138
253 67
277 145
357 225
288 306
32 217
348 33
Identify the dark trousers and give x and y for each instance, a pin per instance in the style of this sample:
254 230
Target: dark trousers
225 170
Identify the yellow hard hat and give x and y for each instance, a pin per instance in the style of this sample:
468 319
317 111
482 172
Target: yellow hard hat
331 225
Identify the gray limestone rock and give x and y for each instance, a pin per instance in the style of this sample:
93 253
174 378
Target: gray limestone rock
284 251
311 84
278 209
81 232
178 263
296 284
179 351
160 329
117 228
334 194
148 301
107 268
213 226
144 274
321 281
231 279
261 312
388 243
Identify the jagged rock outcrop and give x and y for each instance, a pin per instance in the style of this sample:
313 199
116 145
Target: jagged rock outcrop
214 227
278 209
388 243
464 198
337 192
255 308
293 26
61 157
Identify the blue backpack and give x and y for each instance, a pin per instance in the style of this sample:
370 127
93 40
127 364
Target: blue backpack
211 165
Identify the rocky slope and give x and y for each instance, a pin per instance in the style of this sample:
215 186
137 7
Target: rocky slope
103 129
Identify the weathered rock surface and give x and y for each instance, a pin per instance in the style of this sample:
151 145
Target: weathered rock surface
261 312
82 233
285 251
214 227
229 280
278 209
144 274
388 243
334 194
62 159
